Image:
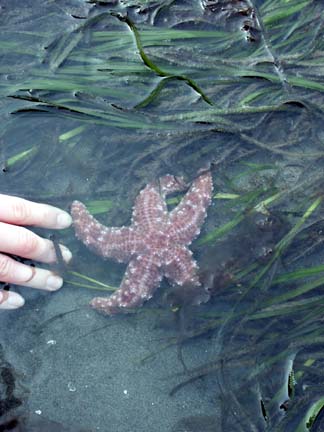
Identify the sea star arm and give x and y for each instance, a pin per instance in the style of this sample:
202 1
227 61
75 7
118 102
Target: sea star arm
180 267
150 209
119 243
169 184
187 218
141 279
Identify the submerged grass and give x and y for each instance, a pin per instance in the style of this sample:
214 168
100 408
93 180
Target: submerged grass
97 70
150 64
274 310
95 284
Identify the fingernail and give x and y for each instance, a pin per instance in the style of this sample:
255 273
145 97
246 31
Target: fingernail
14 301
66 253
53 283
63 220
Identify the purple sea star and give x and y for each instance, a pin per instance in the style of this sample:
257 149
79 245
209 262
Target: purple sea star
154 245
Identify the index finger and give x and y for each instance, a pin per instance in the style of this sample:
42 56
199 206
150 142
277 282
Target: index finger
19 211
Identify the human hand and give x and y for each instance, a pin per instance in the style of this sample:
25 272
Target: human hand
17 240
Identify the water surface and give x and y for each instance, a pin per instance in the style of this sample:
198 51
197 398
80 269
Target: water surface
93 107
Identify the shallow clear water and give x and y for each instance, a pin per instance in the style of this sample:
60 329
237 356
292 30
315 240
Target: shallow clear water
90 117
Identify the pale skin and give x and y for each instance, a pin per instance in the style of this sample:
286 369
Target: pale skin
15 215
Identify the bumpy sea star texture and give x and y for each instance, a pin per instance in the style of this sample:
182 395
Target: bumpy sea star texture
154 245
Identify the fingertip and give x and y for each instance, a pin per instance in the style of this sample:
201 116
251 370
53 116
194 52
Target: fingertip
13 301
53 283
63 220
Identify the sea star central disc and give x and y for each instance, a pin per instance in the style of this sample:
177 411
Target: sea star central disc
154 245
